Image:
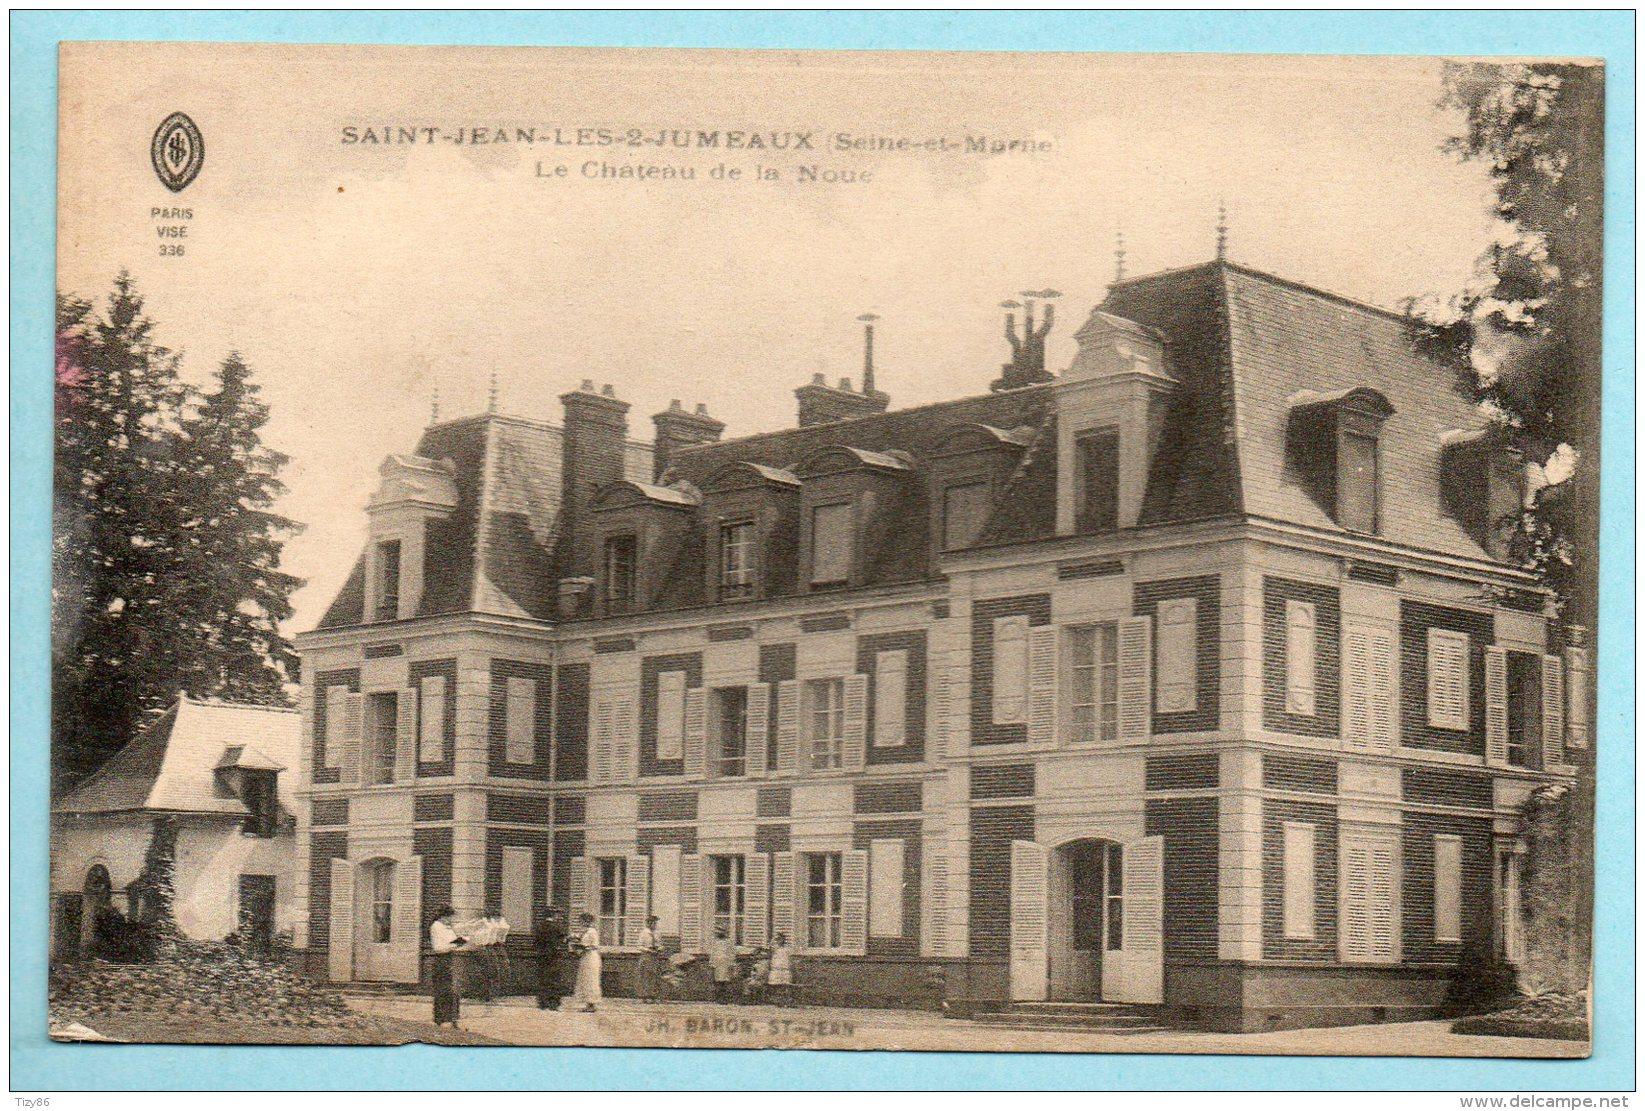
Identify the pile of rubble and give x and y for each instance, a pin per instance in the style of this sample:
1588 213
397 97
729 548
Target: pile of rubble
211 980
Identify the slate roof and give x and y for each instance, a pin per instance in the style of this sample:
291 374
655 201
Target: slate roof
171 764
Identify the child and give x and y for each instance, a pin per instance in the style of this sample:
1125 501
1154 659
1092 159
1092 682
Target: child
780 972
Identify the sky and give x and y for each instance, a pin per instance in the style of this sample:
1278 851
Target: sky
358 278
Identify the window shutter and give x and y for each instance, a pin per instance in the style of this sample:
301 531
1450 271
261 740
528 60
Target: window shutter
1383 889
518 896
1368 897
756 906
1447 679
1576 695
788 725
1447 887
603 714
1042 684
1496 705
1010 670
336 725
639 896
802 900
1299 658
1299 881
1135 656
431 721
885 887
405 736
936 905
1356 687
890 698
1142 928
856 723
759 727
1380 695
1553 711
854 902
340 951
577 898
941 688
520 713
406 930
782 896
354 706
691 903
1029 919
625 749
696 732
1178 663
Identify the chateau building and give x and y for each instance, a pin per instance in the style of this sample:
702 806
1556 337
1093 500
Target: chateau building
1195 675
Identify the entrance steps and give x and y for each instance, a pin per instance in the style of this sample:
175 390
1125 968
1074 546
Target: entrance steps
1116 1018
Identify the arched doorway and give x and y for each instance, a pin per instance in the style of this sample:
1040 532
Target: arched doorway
1086 917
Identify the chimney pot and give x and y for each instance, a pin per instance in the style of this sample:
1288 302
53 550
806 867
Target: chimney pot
817 379
607 391
675 406
845 384
702 408
588 385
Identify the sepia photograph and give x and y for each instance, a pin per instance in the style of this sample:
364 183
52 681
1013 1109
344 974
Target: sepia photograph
879 550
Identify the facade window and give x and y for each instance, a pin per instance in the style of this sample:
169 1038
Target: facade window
1447 679
737 560
1177 684
619 574
1447 887
1010 670
730 730
611 898
1093 660
831 543
671 715
1096 459
385 728
258 793
729 877
1299 658
1298 850
825 721
1357 483
1524 710
382 901
890 698
964 512
388 580
822 907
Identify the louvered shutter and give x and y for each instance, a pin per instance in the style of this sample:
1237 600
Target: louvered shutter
431 720
1177 681
759 732
405 737
336 725
1576 695
1380 696
696 732
638 895
854 744
936 905
1553 711
1383 898
1142 929
340 951
353 711
756 904
802 899
1447 679
1042 684
940 745
788 724
691 903
854 902
1135 663
1029 917
625 748
1356 687
407 928
577 897
1496 706
603 723
1368 897
782 897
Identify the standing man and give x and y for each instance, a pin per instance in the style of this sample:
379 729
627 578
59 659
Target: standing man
549 940
651 962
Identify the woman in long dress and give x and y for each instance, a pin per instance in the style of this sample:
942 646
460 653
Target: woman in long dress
445 942
588 964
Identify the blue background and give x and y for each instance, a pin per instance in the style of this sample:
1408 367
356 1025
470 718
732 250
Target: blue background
39 1065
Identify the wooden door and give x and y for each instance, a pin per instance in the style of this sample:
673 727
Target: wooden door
1029 955
374 955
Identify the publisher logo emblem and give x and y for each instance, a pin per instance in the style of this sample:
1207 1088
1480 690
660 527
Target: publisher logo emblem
178 151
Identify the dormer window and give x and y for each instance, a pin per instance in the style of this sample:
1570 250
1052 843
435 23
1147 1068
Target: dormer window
831 544
964 512
737 559
1482 483
258 793
619 573
1097 458
388 580
1332 444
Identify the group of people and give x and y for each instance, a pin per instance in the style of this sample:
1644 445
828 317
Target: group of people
770 974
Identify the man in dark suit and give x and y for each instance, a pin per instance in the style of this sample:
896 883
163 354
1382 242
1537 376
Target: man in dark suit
549 938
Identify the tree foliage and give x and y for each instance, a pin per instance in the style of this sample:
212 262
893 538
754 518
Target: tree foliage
165 554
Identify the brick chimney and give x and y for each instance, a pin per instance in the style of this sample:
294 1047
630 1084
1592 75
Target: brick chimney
677 428
596 432
1027 365
821 403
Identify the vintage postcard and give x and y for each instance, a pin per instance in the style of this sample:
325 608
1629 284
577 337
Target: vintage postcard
1040 552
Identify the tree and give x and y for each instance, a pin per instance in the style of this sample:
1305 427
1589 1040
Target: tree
1525 340
164 555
